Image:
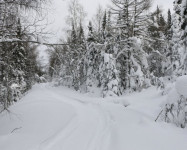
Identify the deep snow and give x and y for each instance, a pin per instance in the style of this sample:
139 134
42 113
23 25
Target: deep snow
181 85
56 118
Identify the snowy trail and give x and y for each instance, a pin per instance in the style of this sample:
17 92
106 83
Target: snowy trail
84 132
53 118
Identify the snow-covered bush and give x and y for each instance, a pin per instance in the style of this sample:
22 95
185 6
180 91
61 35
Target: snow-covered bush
110 76
40 79
175 110
16 92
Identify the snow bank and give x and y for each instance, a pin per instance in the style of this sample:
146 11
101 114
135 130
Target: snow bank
173 96
181 86
180 89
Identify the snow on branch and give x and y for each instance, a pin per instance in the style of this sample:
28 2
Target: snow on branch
35 42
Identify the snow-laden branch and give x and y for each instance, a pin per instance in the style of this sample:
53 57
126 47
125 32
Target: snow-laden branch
35 42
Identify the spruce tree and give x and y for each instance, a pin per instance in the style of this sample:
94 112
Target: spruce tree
179 39
73 35
169 25
183 27
104 26
90 33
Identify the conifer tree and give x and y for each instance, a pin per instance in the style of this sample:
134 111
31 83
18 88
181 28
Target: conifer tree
90 33
178 48
104 26
81 37
169 25
109 25
73 35
183 27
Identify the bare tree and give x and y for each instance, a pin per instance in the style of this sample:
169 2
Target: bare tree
98 18
76 14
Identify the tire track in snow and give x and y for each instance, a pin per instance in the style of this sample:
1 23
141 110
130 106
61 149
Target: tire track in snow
50 142
102 137
89 130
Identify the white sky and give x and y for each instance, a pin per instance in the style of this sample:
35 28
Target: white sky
57 15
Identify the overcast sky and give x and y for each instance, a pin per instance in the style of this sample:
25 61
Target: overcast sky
57 15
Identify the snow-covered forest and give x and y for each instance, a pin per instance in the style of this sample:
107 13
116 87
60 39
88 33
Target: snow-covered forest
116 82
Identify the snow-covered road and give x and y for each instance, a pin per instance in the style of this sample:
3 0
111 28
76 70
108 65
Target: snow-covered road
54 118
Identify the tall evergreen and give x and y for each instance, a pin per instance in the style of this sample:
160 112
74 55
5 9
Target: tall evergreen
184 33
90 33
104 26
81 37
73 35
109 25
169 25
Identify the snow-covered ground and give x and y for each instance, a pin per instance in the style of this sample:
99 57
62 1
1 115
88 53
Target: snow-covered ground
56 118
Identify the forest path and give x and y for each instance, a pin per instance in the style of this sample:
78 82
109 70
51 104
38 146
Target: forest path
57 118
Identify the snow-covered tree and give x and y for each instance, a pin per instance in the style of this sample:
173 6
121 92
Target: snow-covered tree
125 49
179 39
15 52
76 14
131 23
110 77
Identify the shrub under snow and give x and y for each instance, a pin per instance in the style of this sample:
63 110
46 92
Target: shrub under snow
175 110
